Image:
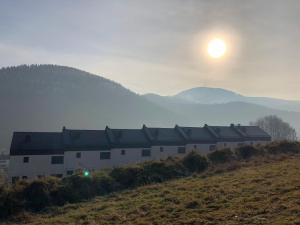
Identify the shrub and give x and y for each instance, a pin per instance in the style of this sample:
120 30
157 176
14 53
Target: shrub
283 147
127 177
37 193
158 171
221 156
195 162
73 189
246 152
104 184
11 201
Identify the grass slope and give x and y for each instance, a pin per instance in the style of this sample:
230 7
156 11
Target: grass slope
258 193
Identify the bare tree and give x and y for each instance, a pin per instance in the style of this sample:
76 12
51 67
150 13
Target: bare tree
276 127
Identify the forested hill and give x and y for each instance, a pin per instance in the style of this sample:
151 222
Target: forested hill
48 97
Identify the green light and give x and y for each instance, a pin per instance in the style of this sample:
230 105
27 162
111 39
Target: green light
86 173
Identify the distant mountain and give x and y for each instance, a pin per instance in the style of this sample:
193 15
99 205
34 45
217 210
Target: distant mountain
48 97
206 95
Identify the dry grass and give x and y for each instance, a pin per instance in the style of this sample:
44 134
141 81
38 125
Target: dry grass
258 193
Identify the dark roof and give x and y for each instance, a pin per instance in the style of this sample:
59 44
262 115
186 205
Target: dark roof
254 132
49 143
129 138
85 139
165 136
36 143
198 134
227 133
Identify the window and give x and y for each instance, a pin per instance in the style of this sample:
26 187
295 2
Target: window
212 147
195 146
24 177
26 159
161 149
146 152
225 144
104 155
181 150
69 172
123 152
78 155
57 160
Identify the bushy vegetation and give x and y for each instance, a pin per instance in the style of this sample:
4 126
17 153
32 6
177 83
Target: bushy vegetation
247 152
263 192
221 156
283 147
38 194
195 162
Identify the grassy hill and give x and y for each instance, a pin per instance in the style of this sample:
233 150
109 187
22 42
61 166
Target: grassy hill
263 191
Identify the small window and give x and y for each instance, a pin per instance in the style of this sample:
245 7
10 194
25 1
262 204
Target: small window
212 147
69 172
161 149
57 160
26 159
104 155
195 146
24 177
78 155
146 152
123 152
181 150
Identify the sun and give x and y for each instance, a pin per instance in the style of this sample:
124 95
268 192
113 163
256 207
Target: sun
216 48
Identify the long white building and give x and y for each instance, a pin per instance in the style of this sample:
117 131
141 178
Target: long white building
38 154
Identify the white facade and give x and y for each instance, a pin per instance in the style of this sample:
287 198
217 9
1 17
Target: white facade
42 165
32 152
37 165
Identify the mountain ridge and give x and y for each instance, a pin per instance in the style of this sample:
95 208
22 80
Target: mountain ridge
48 97
211 95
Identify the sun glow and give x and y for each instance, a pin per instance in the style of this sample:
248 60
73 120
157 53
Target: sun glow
216 48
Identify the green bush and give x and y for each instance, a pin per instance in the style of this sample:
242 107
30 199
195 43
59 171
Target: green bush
37 194
128 176
11 200
104 184
246 152
282 147
195 162
76 188
159 171
221 156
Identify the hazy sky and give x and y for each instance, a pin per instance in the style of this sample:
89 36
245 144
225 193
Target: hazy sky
156 45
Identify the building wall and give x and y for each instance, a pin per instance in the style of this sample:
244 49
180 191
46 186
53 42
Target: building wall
164 151
38 165
41 164
202 149
88 160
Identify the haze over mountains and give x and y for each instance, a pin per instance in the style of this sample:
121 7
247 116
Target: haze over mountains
48 97
208 95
